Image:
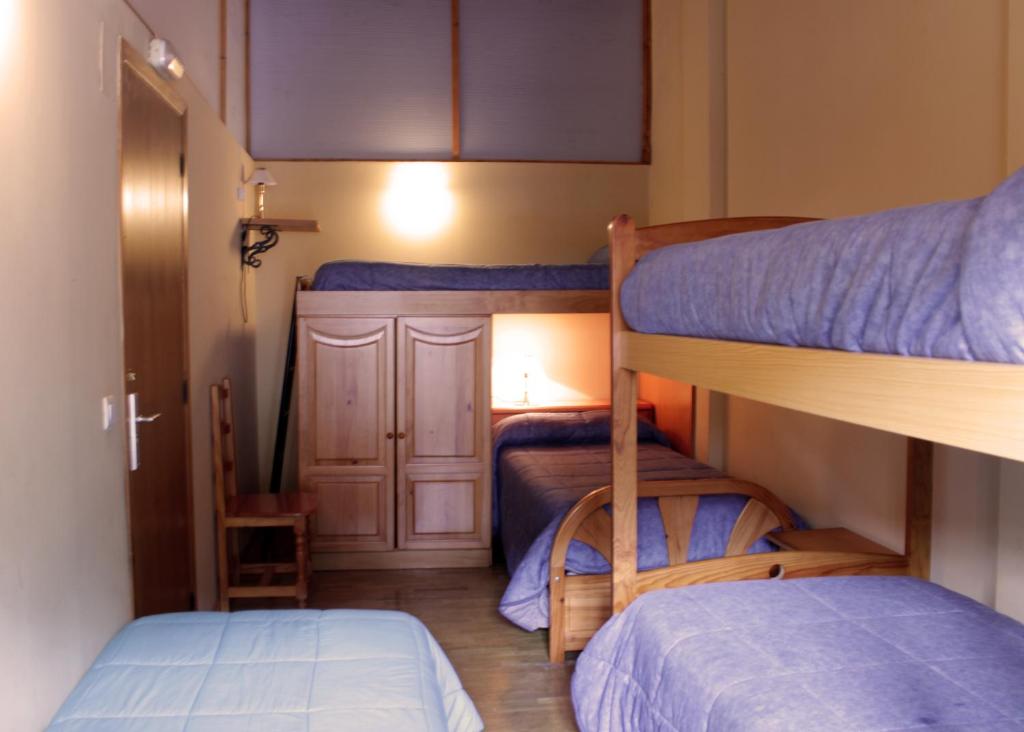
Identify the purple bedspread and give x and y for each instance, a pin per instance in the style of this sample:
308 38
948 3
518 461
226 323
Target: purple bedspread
370 276
836 653
941 280
558 459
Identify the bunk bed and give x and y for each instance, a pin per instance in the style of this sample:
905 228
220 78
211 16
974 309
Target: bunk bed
271 670
908 321
550 477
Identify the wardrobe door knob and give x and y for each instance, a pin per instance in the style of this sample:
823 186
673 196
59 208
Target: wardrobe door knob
401 435
390 435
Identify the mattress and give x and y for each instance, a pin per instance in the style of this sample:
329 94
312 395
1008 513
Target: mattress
275 671
370 276
837 653
941 280
546 463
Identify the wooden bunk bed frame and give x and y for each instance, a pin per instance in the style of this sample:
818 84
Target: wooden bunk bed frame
971 405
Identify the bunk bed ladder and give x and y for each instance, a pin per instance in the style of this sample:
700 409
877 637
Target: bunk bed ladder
287 382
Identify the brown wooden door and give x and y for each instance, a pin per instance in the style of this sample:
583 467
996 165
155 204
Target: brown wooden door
347 417
154 311
444 432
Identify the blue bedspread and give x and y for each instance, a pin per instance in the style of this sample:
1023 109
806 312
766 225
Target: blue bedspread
839 653
388 276
275 671
546 463
942 280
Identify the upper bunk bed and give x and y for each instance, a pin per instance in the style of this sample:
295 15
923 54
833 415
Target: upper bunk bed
371 288
909 321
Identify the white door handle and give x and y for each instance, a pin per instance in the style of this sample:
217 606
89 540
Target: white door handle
134 420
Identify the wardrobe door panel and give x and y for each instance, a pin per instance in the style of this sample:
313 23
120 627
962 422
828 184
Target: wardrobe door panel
443 419
346 414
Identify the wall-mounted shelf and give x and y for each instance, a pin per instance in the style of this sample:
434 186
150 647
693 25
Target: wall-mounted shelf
270 229
306 225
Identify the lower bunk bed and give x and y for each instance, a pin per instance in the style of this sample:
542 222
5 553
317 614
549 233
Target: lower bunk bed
829 653
275 670
551 492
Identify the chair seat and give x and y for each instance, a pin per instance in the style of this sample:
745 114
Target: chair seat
271 505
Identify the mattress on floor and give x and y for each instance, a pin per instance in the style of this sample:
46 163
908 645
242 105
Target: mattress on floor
274 671
839 653
376 276
941 281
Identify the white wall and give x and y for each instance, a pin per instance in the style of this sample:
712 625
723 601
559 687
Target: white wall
64 560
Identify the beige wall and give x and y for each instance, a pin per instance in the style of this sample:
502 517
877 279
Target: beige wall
840 108
503 213
220 343
687 124
850 106
65 563
571 358
194 27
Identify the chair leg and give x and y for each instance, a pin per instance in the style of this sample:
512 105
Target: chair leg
234 557
301 586
223 580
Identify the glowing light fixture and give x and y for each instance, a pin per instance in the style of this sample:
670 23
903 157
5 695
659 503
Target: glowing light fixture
165 59
418 202
519 379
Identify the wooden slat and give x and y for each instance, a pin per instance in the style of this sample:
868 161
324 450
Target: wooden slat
261 567
448 302
256 522
262 591
624 448
973 405
755 520
764 566
456 89
222 97
717 487
833 540
918 532
653 237
596 532
248 75
645 146
297 225
678 513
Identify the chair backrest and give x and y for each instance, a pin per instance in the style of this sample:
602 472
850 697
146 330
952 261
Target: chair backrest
222 427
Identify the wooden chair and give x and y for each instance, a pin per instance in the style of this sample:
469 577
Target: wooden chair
254 510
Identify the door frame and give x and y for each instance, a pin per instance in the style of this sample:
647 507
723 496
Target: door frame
129 58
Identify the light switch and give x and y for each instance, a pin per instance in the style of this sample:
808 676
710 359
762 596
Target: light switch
108 413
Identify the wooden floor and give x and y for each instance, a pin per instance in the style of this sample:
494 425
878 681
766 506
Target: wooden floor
504 669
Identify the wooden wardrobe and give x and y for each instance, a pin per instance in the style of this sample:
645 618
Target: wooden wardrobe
395 420
395 439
